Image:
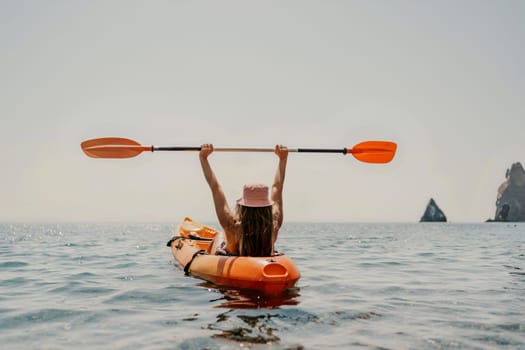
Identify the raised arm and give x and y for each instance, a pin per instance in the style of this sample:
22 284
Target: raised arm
222 209
277 188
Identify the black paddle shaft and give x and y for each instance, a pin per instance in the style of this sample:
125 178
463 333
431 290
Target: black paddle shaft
323 150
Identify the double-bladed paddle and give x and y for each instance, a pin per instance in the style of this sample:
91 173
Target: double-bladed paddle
117 147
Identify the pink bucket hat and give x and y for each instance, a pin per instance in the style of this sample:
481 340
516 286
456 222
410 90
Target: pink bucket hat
255 195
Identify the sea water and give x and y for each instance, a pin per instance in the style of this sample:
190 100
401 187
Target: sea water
363 286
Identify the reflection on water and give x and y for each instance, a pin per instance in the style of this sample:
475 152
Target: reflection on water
257 329
244 328
243 299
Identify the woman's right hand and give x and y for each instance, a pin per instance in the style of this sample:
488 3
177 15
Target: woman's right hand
281 151
206 150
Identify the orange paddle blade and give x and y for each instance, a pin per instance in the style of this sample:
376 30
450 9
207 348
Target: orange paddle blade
374 151
113 147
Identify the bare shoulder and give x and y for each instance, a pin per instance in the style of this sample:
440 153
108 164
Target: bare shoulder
276 211
232 227
277 216
233 235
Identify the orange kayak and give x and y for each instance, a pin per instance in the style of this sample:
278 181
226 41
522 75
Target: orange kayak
195 248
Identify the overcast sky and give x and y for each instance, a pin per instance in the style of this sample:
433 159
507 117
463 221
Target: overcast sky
443 79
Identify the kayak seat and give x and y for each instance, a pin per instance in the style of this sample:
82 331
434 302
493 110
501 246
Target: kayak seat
223 252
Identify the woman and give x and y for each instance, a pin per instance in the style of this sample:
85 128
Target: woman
252 229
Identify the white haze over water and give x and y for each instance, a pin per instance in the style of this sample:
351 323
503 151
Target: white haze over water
444 79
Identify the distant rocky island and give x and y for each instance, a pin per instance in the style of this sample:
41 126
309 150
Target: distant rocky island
510 202
433 213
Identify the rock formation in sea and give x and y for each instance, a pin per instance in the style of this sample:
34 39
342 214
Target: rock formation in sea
433 213
510 202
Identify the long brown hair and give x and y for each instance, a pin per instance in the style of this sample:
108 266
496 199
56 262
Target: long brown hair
257 230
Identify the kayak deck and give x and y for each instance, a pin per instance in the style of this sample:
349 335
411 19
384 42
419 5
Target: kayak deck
195 248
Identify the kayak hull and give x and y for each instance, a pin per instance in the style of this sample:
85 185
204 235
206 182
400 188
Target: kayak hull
195 248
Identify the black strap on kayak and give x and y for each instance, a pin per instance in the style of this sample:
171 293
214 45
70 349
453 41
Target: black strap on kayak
195 238
187 267
172 239
198 238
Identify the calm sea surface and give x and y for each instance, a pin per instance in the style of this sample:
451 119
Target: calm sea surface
363 286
